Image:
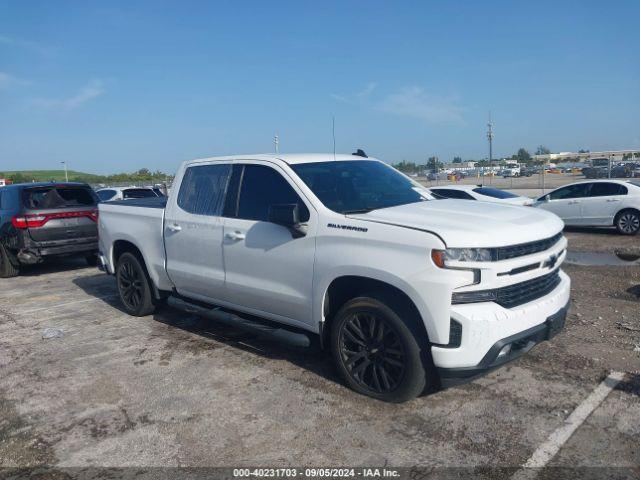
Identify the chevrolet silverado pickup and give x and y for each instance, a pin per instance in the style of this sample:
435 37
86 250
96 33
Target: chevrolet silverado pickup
407 292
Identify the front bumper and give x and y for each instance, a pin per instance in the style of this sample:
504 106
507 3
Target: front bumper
487 323
506 350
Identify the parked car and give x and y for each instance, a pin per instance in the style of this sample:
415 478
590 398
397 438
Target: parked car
479 192
407 292
42 220
436 176
127 193
600 203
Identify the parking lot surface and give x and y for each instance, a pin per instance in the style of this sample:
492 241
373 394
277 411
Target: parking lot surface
173 389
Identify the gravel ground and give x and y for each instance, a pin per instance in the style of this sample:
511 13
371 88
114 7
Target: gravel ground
175 390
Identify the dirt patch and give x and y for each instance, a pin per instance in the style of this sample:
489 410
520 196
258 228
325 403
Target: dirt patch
20 445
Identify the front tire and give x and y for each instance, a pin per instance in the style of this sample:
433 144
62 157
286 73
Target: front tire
628 222
134 286
376 352
7 269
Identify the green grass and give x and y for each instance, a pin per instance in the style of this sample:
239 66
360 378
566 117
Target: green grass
47 175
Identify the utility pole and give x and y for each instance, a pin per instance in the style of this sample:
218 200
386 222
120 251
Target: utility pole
66 174
490 138
276 143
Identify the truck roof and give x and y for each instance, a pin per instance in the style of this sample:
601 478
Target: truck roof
289 158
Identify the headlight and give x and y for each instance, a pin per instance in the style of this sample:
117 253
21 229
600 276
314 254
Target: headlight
442 258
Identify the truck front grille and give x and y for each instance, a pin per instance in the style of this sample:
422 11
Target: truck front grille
512 295
514 251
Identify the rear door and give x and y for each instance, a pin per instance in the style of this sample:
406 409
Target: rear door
603 202
193 232
61 214
268 271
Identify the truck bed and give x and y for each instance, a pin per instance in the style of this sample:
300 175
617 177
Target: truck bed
141 223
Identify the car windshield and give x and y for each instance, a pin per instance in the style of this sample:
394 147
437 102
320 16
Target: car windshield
358 186
494 192
635 182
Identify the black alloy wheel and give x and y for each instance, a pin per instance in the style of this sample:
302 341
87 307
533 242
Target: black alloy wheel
134 286
372 352
377 346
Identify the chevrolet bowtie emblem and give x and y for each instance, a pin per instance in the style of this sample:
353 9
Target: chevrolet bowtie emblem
550 262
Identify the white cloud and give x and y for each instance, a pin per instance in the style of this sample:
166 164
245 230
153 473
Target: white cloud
7 81
37 47
90 91
416 103
358 97
412 102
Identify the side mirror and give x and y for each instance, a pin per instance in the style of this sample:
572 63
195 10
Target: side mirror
287 215
547 198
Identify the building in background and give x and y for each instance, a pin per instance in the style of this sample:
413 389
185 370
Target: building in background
614 155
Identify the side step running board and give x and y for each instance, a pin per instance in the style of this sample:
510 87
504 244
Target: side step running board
265 331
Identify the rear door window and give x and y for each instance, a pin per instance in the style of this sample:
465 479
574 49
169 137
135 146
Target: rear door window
58 197
138 193
606 189
203 188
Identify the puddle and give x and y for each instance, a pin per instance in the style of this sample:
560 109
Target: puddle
616 259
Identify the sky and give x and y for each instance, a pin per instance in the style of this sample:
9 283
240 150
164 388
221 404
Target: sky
121 85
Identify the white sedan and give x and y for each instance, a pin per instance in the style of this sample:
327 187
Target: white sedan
479 192
598 203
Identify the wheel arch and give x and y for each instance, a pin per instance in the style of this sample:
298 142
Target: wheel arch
622 210
345 287
121 247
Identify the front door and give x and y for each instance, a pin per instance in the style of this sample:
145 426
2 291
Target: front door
268 271
193 232
566 202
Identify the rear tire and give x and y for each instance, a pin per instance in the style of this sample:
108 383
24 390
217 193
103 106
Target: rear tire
628 222
7 269
134 286
377 352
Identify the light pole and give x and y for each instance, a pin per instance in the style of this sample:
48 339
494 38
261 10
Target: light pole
490 138
66 174
276 143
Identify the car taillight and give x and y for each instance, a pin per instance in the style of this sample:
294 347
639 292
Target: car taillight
37 220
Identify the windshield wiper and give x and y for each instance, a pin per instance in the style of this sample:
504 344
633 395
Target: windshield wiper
360 210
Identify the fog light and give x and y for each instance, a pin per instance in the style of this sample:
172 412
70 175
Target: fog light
505 351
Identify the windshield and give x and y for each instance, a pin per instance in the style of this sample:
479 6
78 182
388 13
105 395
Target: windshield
356 186
494 192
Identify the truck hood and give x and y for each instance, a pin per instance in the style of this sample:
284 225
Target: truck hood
463 223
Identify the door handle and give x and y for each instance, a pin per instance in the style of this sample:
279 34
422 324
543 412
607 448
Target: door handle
613 200
574 202
175 227
235 236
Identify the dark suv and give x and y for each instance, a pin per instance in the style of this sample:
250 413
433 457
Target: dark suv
39 220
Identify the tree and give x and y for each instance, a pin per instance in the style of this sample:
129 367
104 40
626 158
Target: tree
542 150
523 156
434 164
457 159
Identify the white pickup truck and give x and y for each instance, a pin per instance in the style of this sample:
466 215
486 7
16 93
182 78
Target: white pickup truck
407 292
